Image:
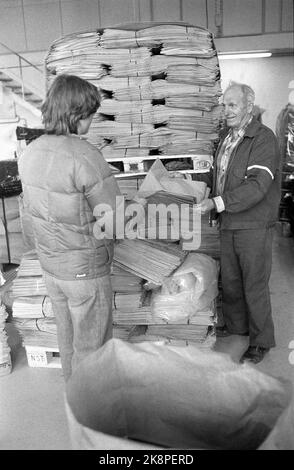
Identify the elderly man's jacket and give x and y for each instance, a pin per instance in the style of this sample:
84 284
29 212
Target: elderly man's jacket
252 187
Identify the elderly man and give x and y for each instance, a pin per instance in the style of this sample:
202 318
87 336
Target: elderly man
246 197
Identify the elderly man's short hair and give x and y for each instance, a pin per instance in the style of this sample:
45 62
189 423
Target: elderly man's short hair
247 91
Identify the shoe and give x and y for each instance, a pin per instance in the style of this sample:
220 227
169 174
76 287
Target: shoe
254 354
222 332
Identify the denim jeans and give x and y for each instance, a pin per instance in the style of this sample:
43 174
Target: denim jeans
83 311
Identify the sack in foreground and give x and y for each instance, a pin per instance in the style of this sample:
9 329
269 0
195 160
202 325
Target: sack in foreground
174 397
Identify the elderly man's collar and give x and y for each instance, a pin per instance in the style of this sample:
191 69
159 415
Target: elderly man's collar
250 129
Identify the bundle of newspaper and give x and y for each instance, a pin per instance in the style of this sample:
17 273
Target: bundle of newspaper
176 335
164 35
28 290
40 332
159 77
150 260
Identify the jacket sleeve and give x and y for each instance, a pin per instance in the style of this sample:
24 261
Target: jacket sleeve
93 177
263 167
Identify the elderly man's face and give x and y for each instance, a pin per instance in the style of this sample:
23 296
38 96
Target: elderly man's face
235 107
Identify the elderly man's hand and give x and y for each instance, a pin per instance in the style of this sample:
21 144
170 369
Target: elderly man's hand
206 205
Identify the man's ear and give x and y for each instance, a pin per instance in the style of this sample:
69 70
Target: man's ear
250 108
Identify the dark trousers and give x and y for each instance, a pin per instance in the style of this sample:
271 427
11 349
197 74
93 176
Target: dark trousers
246 260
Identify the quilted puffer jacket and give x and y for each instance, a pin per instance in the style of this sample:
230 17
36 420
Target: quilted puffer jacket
63 179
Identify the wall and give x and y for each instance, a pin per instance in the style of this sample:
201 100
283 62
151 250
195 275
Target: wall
37 23
268 77
237 25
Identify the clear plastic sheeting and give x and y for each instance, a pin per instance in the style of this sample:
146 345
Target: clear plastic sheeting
189 292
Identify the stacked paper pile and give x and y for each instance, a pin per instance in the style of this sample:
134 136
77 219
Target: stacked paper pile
160 87
39 332
151 260
130 303
29 281
182 333
5 358
31 308
146 311
139 264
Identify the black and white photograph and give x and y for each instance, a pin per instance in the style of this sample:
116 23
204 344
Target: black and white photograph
146 229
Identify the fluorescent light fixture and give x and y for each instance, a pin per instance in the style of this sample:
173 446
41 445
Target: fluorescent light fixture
244 55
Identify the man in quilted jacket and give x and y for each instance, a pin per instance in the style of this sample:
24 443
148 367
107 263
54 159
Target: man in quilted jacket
64 178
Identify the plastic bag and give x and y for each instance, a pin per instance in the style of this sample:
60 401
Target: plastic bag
190 290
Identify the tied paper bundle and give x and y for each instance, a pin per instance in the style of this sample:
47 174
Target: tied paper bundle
139 316
130 301
40 332
122 281
166 141
174 63
132 309
25 286
179 398
76 54
161 89
168 34
175 335
28 290
32 307
111 153
180 334
205 71
152 261
143 112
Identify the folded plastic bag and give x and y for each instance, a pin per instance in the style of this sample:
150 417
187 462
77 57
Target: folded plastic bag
191 289
175 397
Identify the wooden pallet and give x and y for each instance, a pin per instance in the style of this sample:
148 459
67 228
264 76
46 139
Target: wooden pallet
138 165
39 356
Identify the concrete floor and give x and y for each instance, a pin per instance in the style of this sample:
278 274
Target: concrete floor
32 413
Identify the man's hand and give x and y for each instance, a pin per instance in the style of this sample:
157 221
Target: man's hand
206 205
